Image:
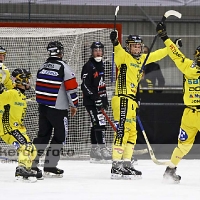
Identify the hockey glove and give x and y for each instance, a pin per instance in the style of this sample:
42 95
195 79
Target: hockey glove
178 42
161 30
99 104
1 88
106 107
114 37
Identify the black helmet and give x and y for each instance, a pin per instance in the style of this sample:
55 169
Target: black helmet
55 48
197 55
134 39
2 50
96 45
21 76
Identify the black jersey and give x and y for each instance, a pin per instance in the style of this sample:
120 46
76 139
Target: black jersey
93 83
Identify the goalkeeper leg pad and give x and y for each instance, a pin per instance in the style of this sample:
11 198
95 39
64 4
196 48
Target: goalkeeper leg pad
25 175
53 172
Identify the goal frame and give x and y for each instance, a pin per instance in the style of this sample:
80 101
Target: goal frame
64 25
73 150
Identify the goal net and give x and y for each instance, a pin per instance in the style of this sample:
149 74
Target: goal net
26 48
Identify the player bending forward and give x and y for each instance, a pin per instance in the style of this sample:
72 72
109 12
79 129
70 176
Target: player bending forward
12 130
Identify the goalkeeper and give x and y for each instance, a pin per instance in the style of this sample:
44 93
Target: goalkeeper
191 116
129 63
13 131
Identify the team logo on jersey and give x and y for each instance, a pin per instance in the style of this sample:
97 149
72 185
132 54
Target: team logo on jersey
193 65
191 96
134 65
16 124
95 74
16 145
47 72
132 85
194 96
49 65
183 136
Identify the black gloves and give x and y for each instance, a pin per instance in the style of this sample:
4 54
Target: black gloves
99 104
178 42
113 37
161 30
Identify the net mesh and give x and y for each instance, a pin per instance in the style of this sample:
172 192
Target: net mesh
26 48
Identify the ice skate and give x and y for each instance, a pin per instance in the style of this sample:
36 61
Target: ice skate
25 175
170 176
130 172
117 170
134 161
53 172
38 173
106 155
95 155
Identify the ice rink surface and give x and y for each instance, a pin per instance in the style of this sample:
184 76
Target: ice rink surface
85 181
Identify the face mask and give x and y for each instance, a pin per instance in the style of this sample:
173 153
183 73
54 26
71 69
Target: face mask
98 59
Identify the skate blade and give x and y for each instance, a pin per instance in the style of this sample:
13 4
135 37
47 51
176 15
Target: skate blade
41 178
135 163
132 177
38 178
94 160
100 161
26 180
52 175
116 176
169 180
106 161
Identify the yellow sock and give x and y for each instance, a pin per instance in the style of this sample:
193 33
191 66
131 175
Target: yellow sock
177 155
117 152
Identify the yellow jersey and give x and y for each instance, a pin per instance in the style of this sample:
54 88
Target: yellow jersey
129 69
191 72
5 77
12 111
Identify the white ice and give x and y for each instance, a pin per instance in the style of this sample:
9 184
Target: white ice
85 181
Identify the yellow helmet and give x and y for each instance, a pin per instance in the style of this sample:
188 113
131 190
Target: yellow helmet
21 76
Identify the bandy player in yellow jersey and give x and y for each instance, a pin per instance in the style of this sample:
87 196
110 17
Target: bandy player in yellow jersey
190 123
4 78
4 72
13 110
129 63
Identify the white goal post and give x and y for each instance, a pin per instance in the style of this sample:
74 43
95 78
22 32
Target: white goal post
26 48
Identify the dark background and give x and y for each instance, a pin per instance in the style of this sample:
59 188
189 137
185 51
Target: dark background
161 117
